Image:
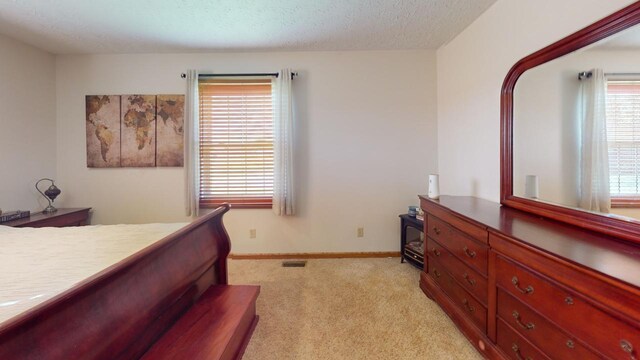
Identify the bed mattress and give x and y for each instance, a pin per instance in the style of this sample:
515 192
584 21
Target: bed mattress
38 263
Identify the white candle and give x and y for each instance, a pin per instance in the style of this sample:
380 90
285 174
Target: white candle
434 187
531 186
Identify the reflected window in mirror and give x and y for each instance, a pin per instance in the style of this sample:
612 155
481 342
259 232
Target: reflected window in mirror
623 135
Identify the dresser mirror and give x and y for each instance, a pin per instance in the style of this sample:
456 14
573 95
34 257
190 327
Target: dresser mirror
570 131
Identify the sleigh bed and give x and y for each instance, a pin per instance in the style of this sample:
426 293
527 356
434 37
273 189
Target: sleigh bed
166 298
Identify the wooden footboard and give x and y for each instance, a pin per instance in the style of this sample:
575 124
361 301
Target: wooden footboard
120 312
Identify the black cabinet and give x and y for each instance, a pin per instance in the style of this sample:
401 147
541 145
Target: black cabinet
412 241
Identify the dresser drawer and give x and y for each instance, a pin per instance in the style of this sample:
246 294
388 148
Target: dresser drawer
469 305
475 230
609 335
468 278
464 247
539 331
516 347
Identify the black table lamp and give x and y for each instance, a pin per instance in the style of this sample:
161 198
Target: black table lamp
50 194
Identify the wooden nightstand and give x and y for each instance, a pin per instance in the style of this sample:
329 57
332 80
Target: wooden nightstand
60 218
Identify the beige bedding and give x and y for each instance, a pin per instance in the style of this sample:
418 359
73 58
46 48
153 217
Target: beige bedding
39 263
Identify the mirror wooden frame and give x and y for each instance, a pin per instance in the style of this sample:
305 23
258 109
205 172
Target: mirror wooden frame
625 228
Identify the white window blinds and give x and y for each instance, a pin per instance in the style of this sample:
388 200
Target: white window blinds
623 136
236 142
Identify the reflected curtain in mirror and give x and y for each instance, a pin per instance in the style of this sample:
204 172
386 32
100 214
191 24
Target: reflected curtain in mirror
594 174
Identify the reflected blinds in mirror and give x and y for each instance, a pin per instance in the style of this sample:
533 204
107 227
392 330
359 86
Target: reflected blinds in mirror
236 142
623 134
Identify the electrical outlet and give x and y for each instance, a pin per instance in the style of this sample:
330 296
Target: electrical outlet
360 232
252 234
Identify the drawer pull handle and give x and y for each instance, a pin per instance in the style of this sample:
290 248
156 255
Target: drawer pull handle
516 349
436 230
471 282
436 273
528 290
570 344
529 326
628 348
467 305
436 252
469 253
568 300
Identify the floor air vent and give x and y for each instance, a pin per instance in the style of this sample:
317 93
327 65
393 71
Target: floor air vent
294 263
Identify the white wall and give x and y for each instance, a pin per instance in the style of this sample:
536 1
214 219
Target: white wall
27 124
471 70
366 142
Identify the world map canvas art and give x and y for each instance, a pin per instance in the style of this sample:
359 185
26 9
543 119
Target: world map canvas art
138 131
103 131
170 130
135 130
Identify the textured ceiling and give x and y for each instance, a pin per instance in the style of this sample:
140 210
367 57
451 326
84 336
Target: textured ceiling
150 26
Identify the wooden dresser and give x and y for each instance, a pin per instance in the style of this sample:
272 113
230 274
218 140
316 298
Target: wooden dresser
522 287
62 218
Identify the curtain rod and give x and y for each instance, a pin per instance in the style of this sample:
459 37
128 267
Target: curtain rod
587 74
184 76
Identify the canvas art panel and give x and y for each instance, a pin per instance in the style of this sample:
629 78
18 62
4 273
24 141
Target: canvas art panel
138 124
135 130
103 131
170 130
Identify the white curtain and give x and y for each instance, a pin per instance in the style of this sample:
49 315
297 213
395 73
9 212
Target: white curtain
283 197
594 162
192 145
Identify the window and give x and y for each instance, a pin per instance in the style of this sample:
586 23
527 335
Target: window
623 137
236 143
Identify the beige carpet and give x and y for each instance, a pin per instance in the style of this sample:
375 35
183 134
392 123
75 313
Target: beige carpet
346 309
